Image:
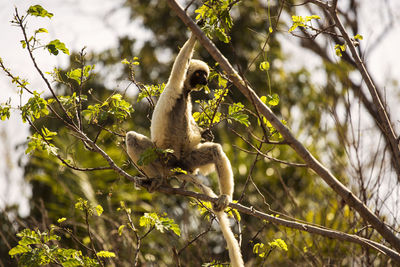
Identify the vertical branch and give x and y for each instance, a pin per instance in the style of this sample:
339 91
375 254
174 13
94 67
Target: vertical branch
383 119
91 237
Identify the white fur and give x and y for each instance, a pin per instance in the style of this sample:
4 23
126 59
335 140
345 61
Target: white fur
235 254
172 91
233 246
162 137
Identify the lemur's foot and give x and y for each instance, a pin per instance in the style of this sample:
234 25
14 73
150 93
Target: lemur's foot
222 203
207 136
152 184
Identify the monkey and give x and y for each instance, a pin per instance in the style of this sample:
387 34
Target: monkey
173 127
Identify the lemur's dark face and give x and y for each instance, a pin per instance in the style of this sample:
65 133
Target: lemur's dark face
199 77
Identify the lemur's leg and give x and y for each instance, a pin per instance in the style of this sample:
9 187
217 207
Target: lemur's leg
212 153
136 144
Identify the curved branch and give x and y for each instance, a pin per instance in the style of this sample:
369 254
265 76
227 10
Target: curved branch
303 152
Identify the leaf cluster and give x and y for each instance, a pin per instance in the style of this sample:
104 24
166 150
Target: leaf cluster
216 19
160 223
37 248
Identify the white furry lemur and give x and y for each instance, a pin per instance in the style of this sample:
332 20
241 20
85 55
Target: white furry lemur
173 127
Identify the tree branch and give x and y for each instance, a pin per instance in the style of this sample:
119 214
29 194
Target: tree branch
312 162
291 224
384 120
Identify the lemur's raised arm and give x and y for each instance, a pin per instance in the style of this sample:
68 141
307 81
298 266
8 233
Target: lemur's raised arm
173 127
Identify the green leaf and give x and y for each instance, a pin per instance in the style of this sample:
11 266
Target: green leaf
279 243
204 208
179 170
19 250
358 37
264 66
35 108
299 21
23 44
99 210
48 135
117 97
235 112
160 223
257 248
339 49
120 229
222 82
5 112
151 154
81 204
61 220
309 18
55 46
263 99
273 100
105 254
220 33
151 90
39 11
72 263
41 30
75 74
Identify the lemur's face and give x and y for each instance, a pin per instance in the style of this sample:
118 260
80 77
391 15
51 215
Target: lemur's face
198 79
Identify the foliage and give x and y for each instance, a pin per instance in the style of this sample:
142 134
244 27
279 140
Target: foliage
37 248
305 22
263 251
41 141
153 153
35 108
39 11
55 46
160 223
5 111
216 18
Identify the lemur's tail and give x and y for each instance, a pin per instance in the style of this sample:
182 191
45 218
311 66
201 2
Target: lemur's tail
233 246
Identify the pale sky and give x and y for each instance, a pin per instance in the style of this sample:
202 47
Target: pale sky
97 26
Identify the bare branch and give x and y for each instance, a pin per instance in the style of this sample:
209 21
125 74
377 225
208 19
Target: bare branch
384 121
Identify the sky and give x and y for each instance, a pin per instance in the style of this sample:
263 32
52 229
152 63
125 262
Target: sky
97 27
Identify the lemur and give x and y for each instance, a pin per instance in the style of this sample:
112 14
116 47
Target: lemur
173 127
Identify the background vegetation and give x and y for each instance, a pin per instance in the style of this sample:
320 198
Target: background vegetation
86 210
